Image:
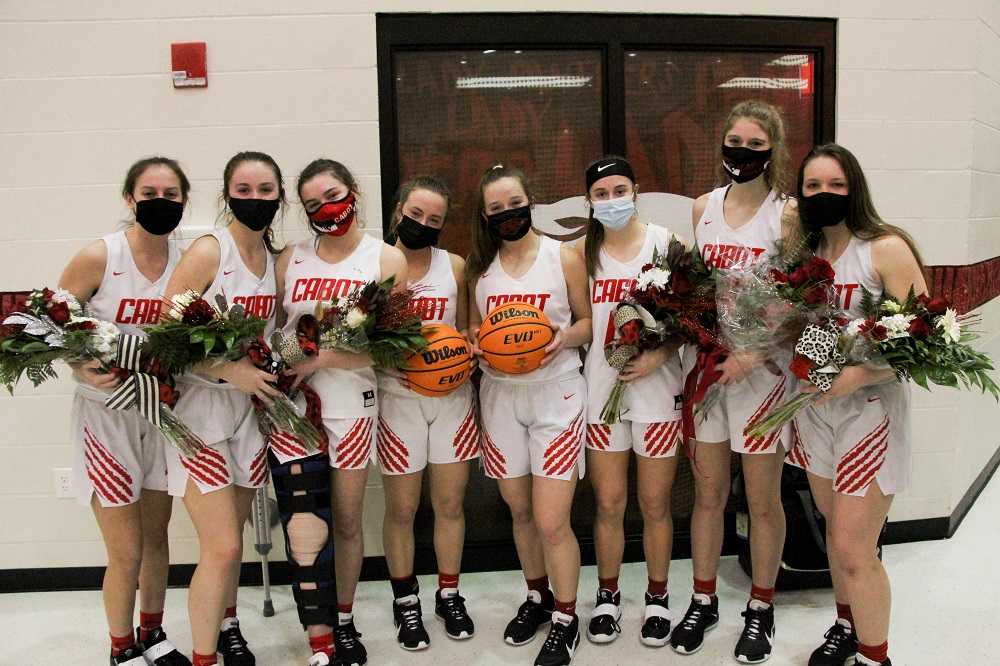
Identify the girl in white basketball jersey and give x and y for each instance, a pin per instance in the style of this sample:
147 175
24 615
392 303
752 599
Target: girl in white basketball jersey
854 442
417 432
218 484
533 423
339 258
118 457
615 249
735 226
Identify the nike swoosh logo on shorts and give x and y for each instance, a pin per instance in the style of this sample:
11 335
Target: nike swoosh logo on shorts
117 273
567 397
602 168
872 399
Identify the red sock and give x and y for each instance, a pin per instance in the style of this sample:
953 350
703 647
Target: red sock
609 584
148 622
566 607
446 580
346 609
844 613
119 643
322 644
230 612
762 594
540 585
705 586
877 653
204 659
656 588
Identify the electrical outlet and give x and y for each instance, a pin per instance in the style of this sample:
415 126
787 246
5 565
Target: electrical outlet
64 482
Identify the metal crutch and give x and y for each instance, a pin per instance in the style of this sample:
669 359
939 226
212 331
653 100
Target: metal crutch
262 541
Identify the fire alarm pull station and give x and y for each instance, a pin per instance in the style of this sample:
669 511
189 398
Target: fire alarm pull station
188 65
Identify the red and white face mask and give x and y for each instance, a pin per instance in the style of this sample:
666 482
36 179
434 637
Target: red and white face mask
334 218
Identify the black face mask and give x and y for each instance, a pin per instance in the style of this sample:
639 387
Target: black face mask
158 216
744 164
510 225
255 214
824 209
416 236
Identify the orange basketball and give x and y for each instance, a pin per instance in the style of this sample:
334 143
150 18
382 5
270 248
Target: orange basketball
514 336
443 366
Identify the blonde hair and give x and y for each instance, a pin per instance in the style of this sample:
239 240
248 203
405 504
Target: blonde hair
777 174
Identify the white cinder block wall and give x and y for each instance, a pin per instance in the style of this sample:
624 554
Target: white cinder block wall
87 90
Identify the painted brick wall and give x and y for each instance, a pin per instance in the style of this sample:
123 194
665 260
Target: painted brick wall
918 100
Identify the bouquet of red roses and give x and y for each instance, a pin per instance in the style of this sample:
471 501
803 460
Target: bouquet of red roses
50 327
920 338
672 297
373 319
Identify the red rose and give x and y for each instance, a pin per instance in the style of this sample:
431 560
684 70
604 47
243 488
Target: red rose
935 306
819 270
681 284
801 366
798 277
82 326
877 332
168 396
59 312
919 329
816 295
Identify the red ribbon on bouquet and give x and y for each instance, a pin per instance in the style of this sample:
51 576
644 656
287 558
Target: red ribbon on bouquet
701 377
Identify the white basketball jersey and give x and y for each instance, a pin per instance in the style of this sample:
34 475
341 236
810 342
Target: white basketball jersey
645 401
310 280
437 292
724 247
125 296
853 271
240 286
543 286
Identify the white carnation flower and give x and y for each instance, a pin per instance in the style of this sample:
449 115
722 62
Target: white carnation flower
355 318
61 295
897 325
949 323
656 277
854 327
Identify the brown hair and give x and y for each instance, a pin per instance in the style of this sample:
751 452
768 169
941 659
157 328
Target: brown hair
227 177
862 219
484 244
335 169
428 183
594 240
140 167
777 173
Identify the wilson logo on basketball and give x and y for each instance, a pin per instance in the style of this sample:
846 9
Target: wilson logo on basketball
437 355
510 313
514 337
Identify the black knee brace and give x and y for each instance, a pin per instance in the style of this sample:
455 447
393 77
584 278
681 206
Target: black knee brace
315 606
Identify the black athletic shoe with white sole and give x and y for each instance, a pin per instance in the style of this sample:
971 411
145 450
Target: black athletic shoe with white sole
410 632
350 650
562 642
451 610
232 646
861 661
841 644
757 639
533 613
159 651
701 616
603 627
655 630
130 656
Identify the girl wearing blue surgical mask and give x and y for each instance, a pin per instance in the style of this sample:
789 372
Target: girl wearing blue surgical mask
615 249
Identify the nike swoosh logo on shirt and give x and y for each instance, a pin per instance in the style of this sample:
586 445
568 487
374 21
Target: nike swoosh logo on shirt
299 261
567 397
117 273
227 272
708 222
602 168
485 275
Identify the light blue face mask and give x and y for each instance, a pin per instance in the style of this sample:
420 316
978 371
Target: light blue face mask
614 213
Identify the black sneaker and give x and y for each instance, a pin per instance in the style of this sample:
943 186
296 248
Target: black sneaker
564 638
350 650
158 650
232 646
841 644
701 616
861 661
130 656
603 627
655 630
457 623
757 638
533 613
410 632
